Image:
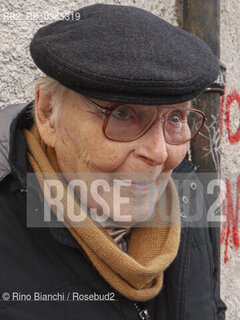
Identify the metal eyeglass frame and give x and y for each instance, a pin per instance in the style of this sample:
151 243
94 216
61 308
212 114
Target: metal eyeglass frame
107 111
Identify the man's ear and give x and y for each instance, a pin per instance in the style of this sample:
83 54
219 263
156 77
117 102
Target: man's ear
43 112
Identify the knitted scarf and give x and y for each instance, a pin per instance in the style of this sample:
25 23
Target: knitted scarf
138 273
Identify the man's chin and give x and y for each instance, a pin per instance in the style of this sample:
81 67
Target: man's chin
135 214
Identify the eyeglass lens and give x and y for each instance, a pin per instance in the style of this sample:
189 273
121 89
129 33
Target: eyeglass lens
128 122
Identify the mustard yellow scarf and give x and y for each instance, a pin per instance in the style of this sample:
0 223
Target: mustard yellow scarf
137 274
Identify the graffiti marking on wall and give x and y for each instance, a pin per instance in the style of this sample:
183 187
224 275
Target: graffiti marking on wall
213 137
226 105
231 226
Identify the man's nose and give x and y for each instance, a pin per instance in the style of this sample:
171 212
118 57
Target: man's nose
152 145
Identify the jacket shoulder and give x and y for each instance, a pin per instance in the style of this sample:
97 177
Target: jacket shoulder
7 114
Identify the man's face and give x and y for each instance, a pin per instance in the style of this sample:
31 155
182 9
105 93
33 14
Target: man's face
81 147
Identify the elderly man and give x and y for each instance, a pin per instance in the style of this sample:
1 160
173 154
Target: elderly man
115 104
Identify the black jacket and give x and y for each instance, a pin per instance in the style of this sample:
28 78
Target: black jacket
38 261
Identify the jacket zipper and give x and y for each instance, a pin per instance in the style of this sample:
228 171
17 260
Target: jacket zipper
143 314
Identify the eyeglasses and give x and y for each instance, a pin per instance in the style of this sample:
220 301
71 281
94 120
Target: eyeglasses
128 122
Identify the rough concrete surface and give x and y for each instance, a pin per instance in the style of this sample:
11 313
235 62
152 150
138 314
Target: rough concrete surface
230 155
19 20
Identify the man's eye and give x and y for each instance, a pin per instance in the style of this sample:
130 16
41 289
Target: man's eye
175 118
123 113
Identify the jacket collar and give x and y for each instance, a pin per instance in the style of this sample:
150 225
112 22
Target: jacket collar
17 144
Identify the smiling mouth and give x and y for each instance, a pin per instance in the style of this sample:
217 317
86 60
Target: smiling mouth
141 186
135 183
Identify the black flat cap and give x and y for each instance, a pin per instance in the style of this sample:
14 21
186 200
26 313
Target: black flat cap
124 54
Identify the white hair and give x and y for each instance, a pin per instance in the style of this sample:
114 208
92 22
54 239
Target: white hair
57 92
